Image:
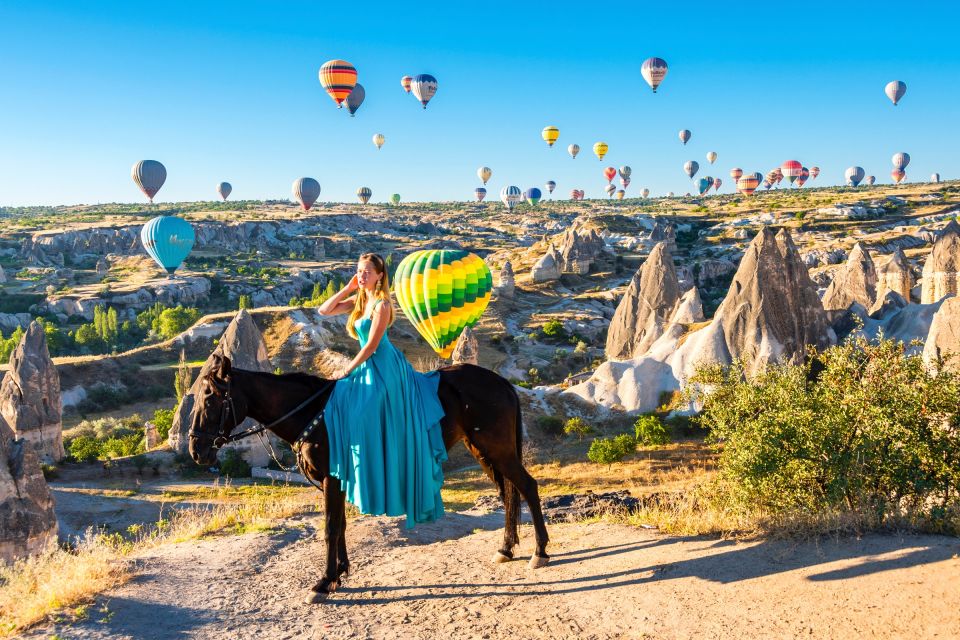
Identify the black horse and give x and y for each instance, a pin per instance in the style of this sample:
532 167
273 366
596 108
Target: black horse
482 410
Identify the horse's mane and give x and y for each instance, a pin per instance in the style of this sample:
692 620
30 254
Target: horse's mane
296 377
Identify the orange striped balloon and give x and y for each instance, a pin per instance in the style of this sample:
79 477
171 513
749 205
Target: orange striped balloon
338 78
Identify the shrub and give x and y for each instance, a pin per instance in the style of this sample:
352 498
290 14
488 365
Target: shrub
245 302
163 421
233 465
578 427
609 450
84 449
123 446
873 433
553 329
650 431
551 425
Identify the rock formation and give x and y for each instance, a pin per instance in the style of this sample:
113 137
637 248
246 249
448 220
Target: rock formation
646 308
103 267
579 250
467 350
856 281
689 309
547 268
243 344
940 271
27 520
3 276
943 341
888 301
319 250
507 285
895 275
772 310
663 232
30 396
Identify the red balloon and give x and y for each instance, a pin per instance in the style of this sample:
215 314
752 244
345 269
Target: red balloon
609 173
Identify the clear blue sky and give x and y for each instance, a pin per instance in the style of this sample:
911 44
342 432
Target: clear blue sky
229 91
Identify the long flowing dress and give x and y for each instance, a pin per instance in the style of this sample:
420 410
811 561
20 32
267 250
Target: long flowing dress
386 444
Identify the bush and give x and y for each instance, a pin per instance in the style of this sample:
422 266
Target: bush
609 450
163 421
84 449
551 425
650 431
577 427
873 433
553 329
233 465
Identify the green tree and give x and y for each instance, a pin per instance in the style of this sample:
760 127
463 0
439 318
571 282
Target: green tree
577 427
650 431
245 302
610 450
163 421
172 322
183 378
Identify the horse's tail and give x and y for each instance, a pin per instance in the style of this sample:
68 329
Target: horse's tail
518 427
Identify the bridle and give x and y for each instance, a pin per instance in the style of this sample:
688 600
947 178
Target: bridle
225 436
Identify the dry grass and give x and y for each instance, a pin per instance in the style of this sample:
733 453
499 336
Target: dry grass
34 589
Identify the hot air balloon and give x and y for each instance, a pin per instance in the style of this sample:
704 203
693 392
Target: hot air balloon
802 178
224 189
747 184
510 196
935 177
625 182
758 176
690 167
532 196
770 179
355 99
363 194
149 176
573 150
441 292
814 172
711 156
791 170
168 240
898 175
767 184
550 186
580 194
424 87
625 171
405 82
685 135
550 135
620 194
609 173
600 150
895 91
779 172
646 192
704 184
853 176
338 78
484 174
395 198
870 180
735 173
654 70
900 160
574 194
610 189
379 139
306 191
480 193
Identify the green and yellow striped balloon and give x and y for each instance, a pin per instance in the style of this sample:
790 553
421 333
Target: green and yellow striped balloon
441 292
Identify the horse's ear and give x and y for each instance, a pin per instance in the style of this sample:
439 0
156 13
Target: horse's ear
221 367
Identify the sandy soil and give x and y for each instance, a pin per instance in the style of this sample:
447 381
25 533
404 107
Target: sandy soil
605 581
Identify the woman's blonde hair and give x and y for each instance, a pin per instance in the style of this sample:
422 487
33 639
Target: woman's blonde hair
382 292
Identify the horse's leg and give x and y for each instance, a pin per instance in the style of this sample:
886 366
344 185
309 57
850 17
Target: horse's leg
514 471
343 562
510 536
332 509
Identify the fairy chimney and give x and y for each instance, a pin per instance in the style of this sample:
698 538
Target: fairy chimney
895 275
103 267
467 350
3 276
941 270
507 281
646 308
856 281
244 345
28 523
30 396
547 268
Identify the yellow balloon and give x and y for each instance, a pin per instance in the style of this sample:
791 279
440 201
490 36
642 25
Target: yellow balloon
600 149
550 135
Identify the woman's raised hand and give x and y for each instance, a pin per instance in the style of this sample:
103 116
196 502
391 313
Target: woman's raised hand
353 285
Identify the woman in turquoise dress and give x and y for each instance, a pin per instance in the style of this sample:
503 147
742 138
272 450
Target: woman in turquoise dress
383 417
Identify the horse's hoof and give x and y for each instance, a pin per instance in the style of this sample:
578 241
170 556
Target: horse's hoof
500 557
538 562
316 597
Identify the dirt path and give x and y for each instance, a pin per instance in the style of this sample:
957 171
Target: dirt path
605 581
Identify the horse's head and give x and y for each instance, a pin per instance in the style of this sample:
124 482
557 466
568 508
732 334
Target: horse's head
216 412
